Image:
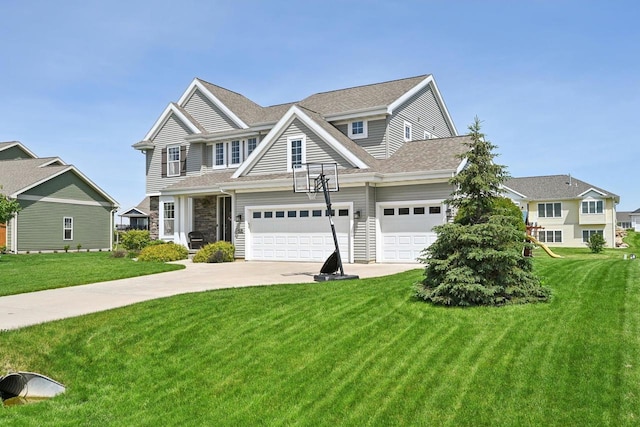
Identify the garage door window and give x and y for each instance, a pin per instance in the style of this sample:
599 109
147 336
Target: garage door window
418 211
434 210
304 214
268 214
292 214
403 211
279 214
389 212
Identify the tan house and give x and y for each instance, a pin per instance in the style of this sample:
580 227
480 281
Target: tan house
567 210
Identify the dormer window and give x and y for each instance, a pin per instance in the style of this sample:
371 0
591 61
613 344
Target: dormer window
357 129
407 132
296 153
252 143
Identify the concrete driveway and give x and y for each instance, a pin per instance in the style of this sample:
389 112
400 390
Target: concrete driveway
21 310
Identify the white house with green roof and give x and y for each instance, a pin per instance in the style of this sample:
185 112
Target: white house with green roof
219 163
60 206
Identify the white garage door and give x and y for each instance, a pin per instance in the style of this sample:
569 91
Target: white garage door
406 230
297 234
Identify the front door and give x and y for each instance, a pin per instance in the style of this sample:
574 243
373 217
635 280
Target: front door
3 234
225 223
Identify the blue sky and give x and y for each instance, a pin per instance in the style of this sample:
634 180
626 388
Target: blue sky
556 83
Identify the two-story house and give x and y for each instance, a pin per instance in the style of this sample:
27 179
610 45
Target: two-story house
567 210
219 163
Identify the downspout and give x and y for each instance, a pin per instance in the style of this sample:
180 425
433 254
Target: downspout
112 227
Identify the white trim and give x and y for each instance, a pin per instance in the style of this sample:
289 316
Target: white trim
214 165
365 129
63 201
64 223
169 147
240 152
407 95
196 84
594 190
407 125
303 139
19 144
513 191
171 109
280 127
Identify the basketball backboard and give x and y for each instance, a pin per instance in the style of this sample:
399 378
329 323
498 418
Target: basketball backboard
307 178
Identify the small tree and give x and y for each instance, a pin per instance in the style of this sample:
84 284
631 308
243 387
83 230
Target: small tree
477 260
8 208
596 243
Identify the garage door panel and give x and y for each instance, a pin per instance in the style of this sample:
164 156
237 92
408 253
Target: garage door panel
407 230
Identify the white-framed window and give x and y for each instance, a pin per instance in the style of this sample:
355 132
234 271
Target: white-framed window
296 151
169 217
173 160
219 155
407 132
550 236
252 143
428 135
592 207
358 129
236 153
586 234
549 210
67 228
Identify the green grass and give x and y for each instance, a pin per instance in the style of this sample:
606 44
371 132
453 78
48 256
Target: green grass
356 353
35 272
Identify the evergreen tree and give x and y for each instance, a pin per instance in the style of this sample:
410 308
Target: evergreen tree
477 259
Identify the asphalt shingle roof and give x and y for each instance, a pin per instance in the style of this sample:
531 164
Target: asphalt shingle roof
16 175
553 187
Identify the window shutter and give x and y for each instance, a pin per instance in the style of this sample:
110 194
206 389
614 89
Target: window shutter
183 160
164 163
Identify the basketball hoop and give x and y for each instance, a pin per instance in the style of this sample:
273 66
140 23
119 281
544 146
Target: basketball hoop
312 195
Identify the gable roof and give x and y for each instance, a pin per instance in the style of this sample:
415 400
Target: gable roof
9 144
18 176
554 187
142 209
427 155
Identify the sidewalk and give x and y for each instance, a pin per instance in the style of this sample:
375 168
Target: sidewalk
22 310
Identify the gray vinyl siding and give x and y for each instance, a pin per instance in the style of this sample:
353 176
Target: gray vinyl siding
351 194
374 142
40 226
13 153
439 191
422 105
208 114
172 132
318 151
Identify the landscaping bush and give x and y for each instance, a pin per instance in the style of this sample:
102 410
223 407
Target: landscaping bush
596 243
135 240
163 252
118 253
215 252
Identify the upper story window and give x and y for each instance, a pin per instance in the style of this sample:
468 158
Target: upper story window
428 135
219 154
173 160
549 210
296 153
592 207
407 132
252 143
358 129
236 153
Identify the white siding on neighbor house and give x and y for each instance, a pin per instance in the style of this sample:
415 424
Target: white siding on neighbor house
171 132
374 143
317 151
351 196
208 114
424 113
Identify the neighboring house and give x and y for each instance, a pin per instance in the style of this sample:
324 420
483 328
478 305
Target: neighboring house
568 210
219 163
138 215
629 220
59 205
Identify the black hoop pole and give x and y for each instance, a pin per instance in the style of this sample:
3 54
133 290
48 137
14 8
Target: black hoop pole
327 199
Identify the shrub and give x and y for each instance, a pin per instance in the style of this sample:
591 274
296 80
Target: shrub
118 253
215 252
163 252
596 243
66 248
135 240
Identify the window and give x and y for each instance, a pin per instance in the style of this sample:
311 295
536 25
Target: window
257 215
219 154
593 207
252 143
297 152
67 228
235 152
550 236
291 214
357 130
279 214
268 214
586 234
317 212
428 135
388 211
418 211
549 210
169 217
403 211
434 210
343 212
173 160
407 132
304 214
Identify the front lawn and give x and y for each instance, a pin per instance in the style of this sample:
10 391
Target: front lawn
361 352
35 272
